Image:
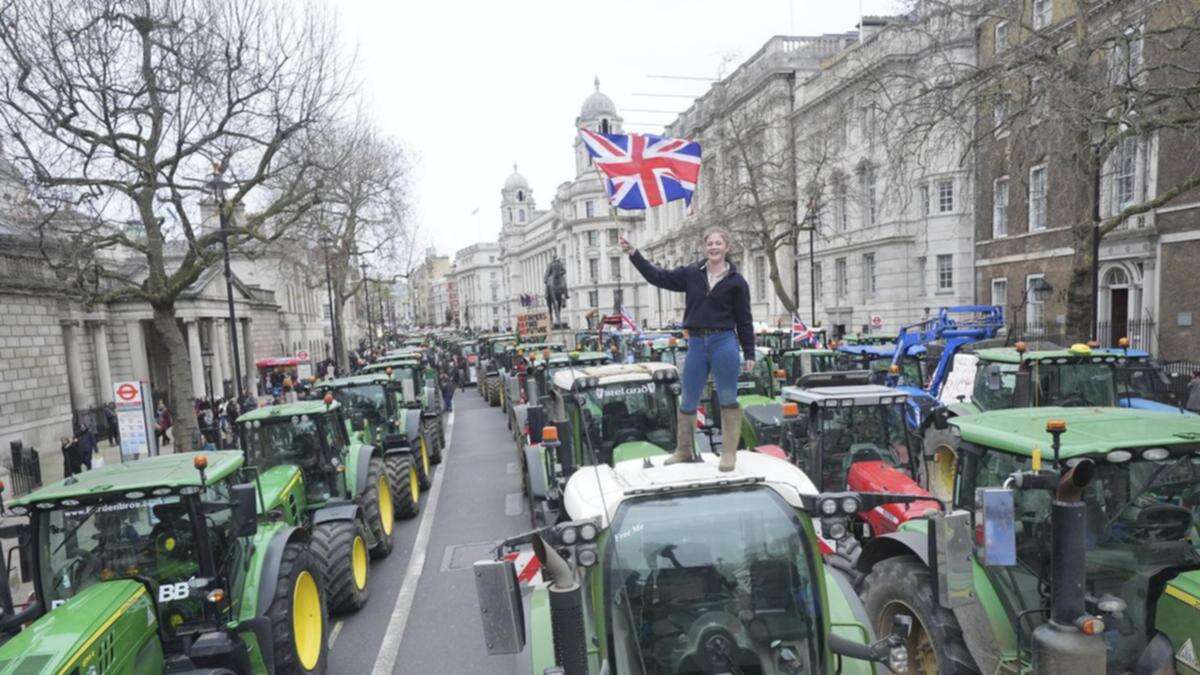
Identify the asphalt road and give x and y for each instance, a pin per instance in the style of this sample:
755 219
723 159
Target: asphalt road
422 616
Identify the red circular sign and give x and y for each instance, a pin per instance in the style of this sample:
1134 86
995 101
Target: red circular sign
127 392
302 355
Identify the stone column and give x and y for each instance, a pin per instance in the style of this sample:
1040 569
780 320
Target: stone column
70 330
249 370
104 378
137 351
195 359
217 345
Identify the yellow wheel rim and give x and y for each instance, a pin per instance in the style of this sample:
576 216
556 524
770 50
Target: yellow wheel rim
414 486
424 457
386 514
358 562
308 632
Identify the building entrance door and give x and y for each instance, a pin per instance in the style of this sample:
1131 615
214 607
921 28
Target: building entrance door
1118 313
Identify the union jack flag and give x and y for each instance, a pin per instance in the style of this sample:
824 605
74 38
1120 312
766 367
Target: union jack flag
644 170
800 332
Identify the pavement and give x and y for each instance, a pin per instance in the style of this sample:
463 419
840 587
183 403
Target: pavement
422 616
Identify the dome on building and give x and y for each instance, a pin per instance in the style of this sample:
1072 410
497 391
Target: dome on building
516 181
597 104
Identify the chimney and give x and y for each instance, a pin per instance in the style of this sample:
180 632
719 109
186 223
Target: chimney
870 25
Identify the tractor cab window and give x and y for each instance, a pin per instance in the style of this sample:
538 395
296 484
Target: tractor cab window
336 439
849 434
1142 381
627 412
286 440
994 385
149 540
674 584
1073 384
365 404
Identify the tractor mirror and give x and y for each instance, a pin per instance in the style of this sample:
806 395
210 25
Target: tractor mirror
245 511
499 596
953 548
999 545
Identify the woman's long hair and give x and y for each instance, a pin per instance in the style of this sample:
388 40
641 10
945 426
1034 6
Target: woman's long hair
718 229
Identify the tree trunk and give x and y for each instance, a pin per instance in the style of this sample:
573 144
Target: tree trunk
343 354
1079 289
179 395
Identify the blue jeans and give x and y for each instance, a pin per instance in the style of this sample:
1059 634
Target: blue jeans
716 353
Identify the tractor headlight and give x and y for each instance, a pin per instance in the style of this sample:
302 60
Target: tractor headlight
850 505
829 507
588 532
836 530
1155 454
569 535
586 555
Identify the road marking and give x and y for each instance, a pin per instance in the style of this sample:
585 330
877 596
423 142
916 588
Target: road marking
389 648
512 468
333 634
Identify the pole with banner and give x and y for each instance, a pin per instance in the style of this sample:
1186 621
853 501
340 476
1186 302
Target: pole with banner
135 419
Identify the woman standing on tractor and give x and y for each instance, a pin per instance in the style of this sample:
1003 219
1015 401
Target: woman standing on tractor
717 319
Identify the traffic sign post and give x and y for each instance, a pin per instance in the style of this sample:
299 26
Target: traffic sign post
135 419
304 369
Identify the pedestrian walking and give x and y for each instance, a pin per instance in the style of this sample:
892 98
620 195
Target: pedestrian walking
1193 400
717 317
162 424
110 421
87 446
70 454
447 385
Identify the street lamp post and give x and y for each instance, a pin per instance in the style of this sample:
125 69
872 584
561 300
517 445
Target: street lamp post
327 242
217 184
367 304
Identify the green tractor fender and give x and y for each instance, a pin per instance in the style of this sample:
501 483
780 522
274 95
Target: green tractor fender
338 511
358 463
259 587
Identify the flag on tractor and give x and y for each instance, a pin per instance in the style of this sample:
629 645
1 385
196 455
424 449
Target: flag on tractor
644 170
800 332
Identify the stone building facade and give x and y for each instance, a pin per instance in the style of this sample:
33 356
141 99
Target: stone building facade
428 294
476 274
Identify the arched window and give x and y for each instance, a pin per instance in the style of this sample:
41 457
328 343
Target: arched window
520 195
604 126
520 215
1116 276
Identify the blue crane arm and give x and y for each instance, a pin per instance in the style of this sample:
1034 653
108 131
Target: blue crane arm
974 322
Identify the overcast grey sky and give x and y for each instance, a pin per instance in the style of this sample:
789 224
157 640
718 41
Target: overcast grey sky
473 86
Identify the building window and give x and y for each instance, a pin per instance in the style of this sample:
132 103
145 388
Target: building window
520 215
614 267
1037 98
945 190
1000 116
593 237
1001 35
817 282
510 215
1037 198
945 273
1125 58
868 264
1035 305
589 209
1000 292
760 278
593 268
1000 207
841 213
866 180
575 210
1124 174
923 198
1042 13
593 298
921 276
612 236
839 277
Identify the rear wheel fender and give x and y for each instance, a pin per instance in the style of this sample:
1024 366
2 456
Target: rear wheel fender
358 462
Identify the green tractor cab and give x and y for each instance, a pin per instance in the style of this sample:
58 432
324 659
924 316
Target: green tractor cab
163 565
1087 551
537 385
375 416
685 569
515 361
598 415
313 474
672 350
491 354
797 363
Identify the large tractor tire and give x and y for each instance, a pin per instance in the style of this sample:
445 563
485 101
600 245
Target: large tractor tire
341 545
904 585
437 440
379 509
494 393
406 485
939 462
298 614
424 462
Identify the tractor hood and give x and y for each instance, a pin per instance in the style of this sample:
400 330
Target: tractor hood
1177 616
636 450
99 630
275 483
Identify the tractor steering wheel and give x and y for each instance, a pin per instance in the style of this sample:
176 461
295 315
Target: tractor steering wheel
1160 522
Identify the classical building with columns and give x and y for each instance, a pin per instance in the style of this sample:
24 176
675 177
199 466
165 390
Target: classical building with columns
580 228
476 275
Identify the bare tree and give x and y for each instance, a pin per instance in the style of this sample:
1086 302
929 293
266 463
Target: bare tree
118 110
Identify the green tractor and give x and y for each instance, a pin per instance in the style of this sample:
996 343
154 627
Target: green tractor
1088 565
515 364
796 363
685 569
670 350
491 353
376 416
164 565
596 415
338 489
537 385
416 387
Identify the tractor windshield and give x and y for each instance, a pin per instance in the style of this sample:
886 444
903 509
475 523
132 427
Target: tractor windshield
365 401
1074 384
1143 381
849 434
295 441
151 540
631 411
726 593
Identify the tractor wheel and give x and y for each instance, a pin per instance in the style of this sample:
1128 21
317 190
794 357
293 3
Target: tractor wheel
378 508
341 545
406 487
903 585
424 462
939 463
298 614
494 395
437 441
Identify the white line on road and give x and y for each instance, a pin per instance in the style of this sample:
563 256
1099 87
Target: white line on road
389 648
333 634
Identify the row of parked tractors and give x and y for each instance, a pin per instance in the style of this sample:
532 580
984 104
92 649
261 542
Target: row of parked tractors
229 561
950 504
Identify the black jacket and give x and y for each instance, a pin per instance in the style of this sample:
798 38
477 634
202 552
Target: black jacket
726 305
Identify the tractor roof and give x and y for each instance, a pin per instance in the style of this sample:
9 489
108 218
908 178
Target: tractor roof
851 394
1089 430
161 471
355 380
611 372
878 350
562 358
289 410
1076 353
598 492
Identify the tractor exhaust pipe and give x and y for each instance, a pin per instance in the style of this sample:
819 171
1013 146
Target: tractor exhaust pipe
566 610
